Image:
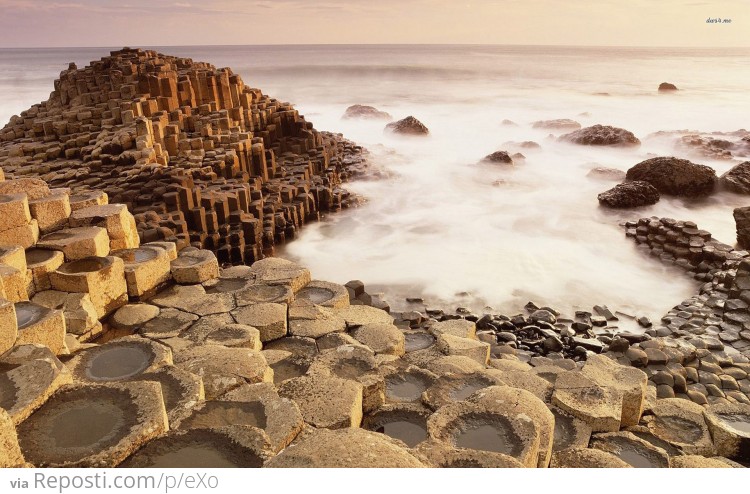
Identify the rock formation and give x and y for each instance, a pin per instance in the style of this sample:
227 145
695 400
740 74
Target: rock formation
602 135
200 158
408 126
365 112
737 179
629 195
666 86
675 176
498 157
559 124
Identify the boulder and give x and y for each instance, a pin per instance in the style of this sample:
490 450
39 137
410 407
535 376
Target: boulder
667 86
602 135
629 195
365 112
737 179
408 126
498 157
675 176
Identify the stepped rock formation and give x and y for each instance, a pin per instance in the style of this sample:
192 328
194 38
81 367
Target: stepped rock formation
199 157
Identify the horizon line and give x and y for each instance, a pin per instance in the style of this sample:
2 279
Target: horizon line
207 45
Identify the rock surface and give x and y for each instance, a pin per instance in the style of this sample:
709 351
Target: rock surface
408 126
629 195
675 176
602 135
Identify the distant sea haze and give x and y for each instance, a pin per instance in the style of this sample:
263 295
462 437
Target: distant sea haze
437 226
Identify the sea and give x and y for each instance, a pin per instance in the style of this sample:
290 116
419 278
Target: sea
438 224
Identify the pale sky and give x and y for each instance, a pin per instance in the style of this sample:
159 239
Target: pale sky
65 23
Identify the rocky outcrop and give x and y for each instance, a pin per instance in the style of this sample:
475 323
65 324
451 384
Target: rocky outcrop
737 179
602 135
408 126
559 124
675 176
365 112
498 157
667 86
199 157
629 195
742 222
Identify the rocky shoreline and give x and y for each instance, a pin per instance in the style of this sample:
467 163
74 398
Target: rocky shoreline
124 347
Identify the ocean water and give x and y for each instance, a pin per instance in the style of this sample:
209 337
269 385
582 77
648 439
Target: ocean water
436 226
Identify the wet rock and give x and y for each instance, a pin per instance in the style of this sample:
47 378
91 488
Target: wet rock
221 447
93 425
408 126
119 360
570 432
406 422
675 176
365 112
730 428
457 387
737 179
629 195
602 135
180 389
345 449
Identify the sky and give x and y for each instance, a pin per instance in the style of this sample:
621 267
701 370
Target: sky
79 23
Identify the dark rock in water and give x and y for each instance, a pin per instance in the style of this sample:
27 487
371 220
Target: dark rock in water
666 86
675 176
737 179
408 126
501 157
523 144
509 123
708 147
602 135
366 112
629 195
742 219
518 157
604 173
559 124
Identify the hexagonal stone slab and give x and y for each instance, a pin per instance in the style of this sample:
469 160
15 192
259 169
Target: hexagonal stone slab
226 447
457 387
118 360
40 325
181 390
631 449
381 338
348 448
280 418
313 321
460 328
261 293
324 293
586 458
359 315
325 401
454 345
631 382
10 451
169 323
29 375
582 397
681 423
729 424
442 455
269 319
195 300
132 317
194 266
95 425
223 368
277 271
236 335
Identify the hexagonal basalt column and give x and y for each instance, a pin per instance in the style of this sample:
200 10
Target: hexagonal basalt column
115 218
95 425
10 451
29 375
196 266
324 293
16 225
41 262
51 212
730 428
146 269
37 324
276 271
8 325
86 199
226 447
118 360
77 243
103 278
15 283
